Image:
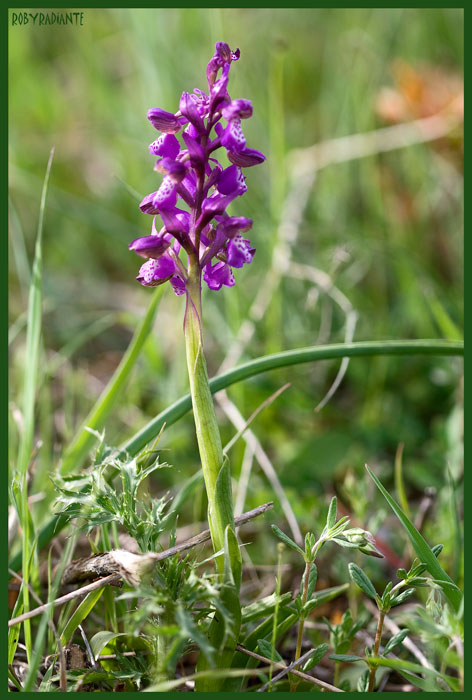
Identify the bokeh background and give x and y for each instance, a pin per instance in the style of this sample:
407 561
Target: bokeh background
382 235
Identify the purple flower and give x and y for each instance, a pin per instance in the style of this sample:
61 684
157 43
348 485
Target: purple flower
164 121
192 173
218 275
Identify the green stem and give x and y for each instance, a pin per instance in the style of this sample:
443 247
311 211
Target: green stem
301 624
220 514
280 548
217 479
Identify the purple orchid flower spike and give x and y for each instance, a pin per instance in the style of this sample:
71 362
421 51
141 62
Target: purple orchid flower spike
211 239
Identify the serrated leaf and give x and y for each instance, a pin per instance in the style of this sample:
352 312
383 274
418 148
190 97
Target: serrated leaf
362 580
190 629
395 641
286 540
421 547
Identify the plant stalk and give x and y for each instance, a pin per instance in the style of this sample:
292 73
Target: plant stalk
378 637
217 477
301 624
208 436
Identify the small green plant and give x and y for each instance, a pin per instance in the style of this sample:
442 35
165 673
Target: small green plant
341 637
392 595
111 492
336 531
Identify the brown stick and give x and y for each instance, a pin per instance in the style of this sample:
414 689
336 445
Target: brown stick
282 667
94 565
114 578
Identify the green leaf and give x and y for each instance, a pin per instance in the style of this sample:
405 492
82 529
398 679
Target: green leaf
267 650
84 609
224 497
362 580
331 518
312 578
402 665
264 607
14 632
395 641
348 658
401 597
33 336
286 540
421 547
233 564
100 640
190 629
315 658
363 682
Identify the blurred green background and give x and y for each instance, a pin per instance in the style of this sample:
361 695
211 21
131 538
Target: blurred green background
386 228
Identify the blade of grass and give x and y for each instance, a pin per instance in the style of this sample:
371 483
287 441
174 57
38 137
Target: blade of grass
81 445
33 341
33 336
399 483
422 549
263 364
79 615
290 358
457 530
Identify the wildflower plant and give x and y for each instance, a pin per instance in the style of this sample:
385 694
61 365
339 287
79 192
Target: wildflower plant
170 605
203 241
337 531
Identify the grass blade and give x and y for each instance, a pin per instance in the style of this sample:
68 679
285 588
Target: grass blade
33 336
422 549
33 344
79 615
287 359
